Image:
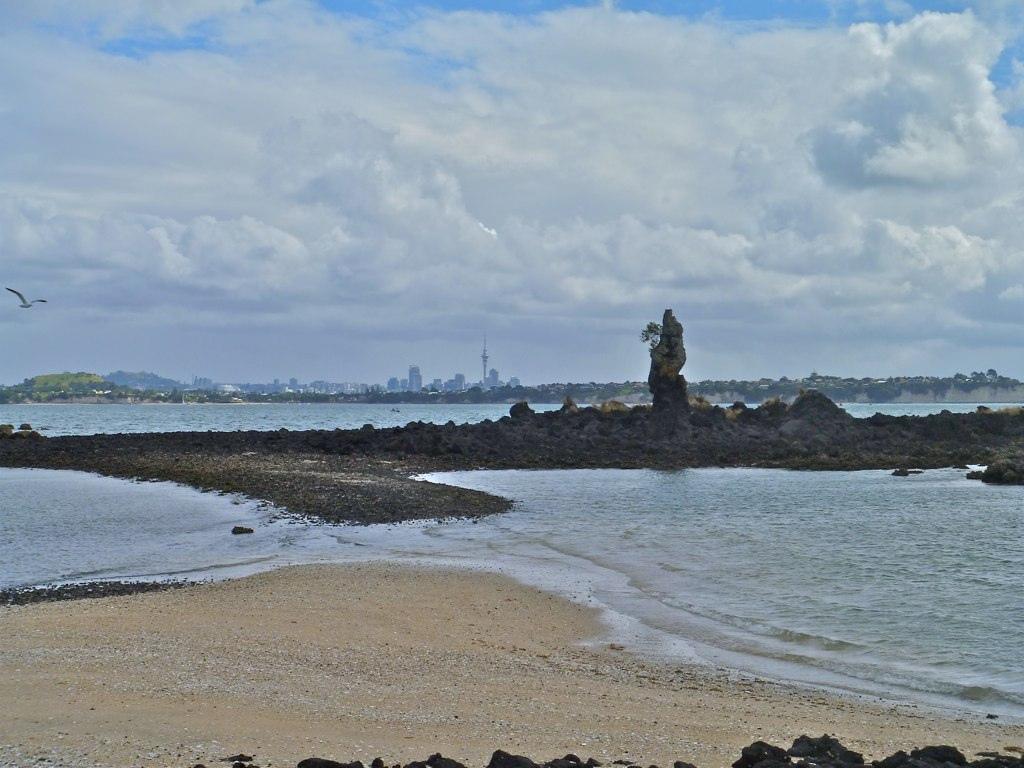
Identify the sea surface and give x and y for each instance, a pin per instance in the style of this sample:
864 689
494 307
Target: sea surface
907 588
76 419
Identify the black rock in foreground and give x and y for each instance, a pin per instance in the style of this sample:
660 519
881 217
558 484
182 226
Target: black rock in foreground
806 752
52 593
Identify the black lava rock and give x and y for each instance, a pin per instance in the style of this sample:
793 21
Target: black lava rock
436 760
521 410
939 755
240 529
825 749
502 759
762 753
896 760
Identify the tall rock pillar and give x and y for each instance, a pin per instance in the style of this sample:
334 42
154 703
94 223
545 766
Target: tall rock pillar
667 358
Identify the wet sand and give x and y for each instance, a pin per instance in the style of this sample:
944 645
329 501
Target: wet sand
357 661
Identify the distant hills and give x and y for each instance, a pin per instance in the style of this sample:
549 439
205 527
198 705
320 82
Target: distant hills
50 387
143 380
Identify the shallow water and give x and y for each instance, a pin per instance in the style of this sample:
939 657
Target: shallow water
854 579
55 420
907 587
86 419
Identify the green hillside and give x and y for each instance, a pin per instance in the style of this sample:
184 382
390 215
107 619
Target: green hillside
65 382
61 386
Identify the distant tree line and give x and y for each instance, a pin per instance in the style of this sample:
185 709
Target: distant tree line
89 387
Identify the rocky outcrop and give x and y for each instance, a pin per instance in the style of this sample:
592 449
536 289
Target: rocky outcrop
1006 470
668 357
521 410
24 431
806 752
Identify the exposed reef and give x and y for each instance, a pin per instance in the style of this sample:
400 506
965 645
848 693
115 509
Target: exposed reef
362 475
82 590
1006 470
806 752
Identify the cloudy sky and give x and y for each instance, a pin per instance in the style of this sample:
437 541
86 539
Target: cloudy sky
246 189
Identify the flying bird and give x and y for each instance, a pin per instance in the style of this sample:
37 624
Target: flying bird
25 304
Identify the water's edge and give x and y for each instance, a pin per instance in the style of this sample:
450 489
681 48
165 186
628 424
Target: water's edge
559 572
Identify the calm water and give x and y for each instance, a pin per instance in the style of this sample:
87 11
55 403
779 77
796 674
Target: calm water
911 588
92 419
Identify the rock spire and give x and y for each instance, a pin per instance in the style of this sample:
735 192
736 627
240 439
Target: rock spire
668 357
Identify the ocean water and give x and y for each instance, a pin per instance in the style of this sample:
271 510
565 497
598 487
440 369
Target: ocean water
55 420
85 419
907 588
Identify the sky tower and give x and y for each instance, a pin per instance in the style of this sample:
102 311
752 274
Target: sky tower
483 358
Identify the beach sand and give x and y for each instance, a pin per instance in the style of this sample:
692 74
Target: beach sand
357 661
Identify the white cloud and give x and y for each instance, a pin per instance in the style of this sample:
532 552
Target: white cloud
112 19
560 173
1013 293
920 109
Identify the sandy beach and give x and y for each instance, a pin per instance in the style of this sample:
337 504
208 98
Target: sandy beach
359 661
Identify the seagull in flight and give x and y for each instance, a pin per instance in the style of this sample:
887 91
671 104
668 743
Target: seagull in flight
25 304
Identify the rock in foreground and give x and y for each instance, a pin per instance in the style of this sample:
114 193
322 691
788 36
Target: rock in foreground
806 752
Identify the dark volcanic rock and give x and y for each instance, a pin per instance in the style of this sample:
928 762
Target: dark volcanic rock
569 761
940 755
895 760
502 759
823 752
668 358
1006 470
89 589
901 472
825 749
240 529
521 410
812 405
436 760
761 753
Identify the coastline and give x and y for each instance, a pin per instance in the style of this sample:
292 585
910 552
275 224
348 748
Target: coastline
573 580
352 661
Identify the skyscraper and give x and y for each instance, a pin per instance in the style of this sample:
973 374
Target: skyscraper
484 358
415 379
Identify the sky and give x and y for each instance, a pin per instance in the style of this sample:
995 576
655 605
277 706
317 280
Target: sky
251 189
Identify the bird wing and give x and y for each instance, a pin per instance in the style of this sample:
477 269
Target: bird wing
39 301
18 294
